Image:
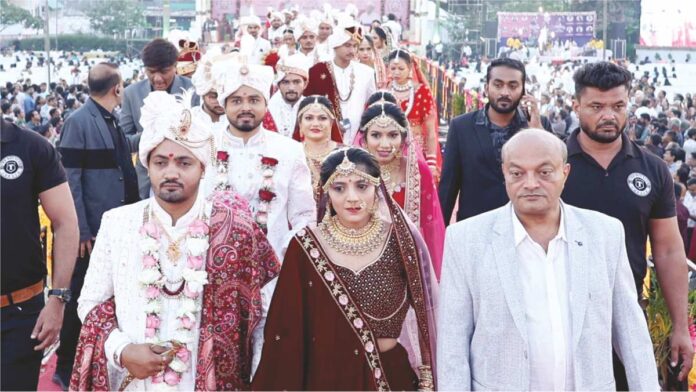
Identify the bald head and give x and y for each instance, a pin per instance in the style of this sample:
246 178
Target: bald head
102 78
537 140
535 170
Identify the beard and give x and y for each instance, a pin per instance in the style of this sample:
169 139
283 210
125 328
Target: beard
511 105
219 110
172 196
244 125
605 132
291 96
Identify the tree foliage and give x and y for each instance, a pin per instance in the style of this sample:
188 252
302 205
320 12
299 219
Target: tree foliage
113 17
11 14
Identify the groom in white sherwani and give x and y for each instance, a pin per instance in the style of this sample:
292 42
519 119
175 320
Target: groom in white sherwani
266 168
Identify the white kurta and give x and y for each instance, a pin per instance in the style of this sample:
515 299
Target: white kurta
326 52
220 124
363 86
284 114
114 268
308 59
254 48
293 207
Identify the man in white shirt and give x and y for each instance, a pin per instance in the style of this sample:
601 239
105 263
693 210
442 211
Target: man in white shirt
546 292
345 82
306 35
277 25
291 79
252 45
324 31
210 111
267 169
395 28
156 309
690 142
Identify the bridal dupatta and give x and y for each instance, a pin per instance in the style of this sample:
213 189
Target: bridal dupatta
422 203
240 262
316 336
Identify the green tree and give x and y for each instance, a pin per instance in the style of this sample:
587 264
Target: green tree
113 17
11 14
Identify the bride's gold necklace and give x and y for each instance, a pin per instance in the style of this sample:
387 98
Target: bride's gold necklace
390 173
320 155
352 242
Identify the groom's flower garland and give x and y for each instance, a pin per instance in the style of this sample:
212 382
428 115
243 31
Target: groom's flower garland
194 277
266 192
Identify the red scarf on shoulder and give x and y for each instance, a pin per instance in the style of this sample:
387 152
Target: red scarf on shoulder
240 262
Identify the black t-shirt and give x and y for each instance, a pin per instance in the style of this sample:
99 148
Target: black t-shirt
29 165
635 188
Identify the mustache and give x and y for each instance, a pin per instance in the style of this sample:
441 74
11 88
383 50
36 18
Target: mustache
605 123
171 182
246 114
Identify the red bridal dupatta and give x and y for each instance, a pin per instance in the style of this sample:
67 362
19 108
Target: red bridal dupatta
421 202
316 336
240 262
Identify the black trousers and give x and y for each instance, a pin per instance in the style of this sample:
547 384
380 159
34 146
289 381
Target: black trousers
20 363
70 332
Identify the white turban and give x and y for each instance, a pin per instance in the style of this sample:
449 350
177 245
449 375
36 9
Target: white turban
166 116
203 79
233 74
303 25
341 35
278 15
249 20
295 64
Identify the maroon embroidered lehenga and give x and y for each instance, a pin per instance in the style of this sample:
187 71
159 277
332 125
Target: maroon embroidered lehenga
323 324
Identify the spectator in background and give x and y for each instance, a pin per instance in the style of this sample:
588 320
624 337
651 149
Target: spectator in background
682 212
7 114
19 116
33 120
690 142
673 163
690 203
654 144
159 59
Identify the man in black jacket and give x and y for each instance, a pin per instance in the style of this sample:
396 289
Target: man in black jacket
472 166
97 160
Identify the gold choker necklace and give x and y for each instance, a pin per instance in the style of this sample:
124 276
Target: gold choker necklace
389 171
352 242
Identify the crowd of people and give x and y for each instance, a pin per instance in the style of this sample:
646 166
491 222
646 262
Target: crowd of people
285 219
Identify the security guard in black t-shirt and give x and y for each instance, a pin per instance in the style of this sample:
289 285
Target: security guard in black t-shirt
611 174
31 171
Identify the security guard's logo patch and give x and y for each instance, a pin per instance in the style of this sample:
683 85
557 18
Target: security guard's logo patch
11 167
639 184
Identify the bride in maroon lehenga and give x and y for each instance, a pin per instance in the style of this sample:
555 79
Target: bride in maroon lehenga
353 307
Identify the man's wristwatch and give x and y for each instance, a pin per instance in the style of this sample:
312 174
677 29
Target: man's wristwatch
63 295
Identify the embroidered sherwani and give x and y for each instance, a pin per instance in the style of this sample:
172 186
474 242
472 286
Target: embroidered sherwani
228 311
347 88
293 206
115 266
284 114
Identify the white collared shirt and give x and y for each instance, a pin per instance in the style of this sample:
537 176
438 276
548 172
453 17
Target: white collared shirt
545 290
363 86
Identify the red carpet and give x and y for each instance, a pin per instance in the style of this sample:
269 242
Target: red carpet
45 383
